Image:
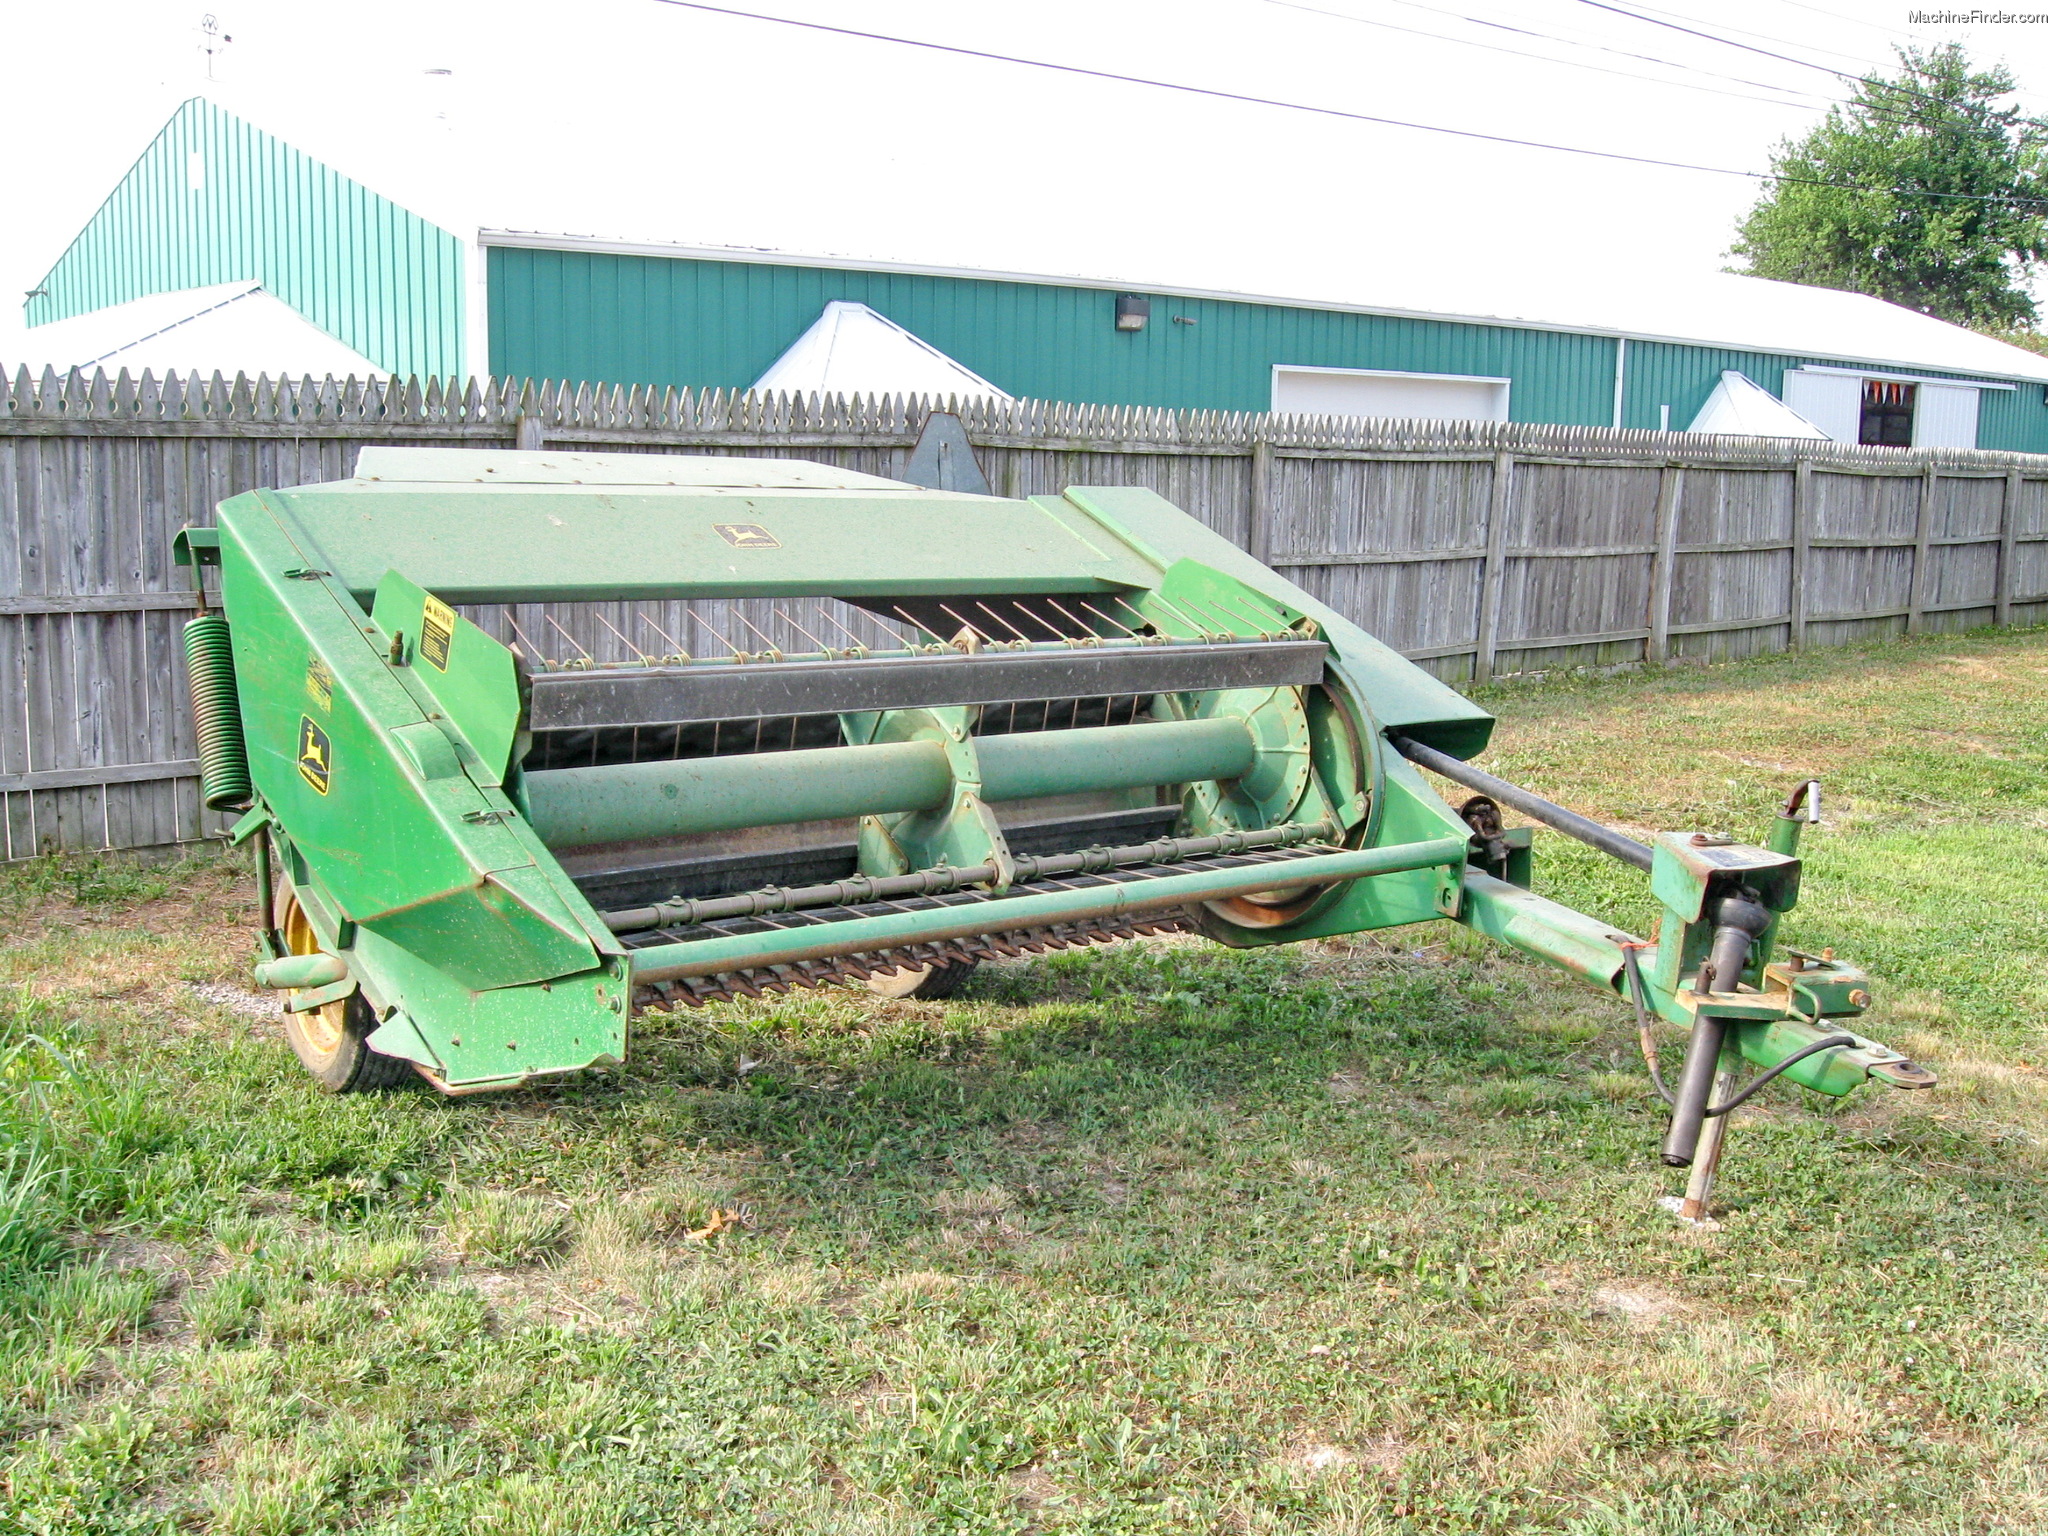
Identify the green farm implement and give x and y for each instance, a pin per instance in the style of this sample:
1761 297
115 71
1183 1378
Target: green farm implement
529 740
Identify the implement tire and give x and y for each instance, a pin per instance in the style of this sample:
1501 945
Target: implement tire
931 981
331 1040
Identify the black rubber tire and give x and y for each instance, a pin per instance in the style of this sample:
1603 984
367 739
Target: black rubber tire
344 1062
935 981
331 1041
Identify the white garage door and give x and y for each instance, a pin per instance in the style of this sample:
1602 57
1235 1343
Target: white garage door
1365 392
1945 416
1831 401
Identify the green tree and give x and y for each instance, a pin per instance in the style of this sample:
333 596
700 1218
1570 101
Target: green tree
1921 189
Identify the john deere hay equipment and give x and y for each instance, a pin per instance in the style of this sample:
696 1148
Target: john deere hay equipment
989 726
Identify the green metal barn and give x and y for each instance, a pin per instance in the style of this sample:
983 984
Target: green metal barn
215 200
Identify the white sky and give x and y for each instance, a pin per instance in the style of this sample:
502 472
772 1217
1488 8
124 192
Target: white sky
634 118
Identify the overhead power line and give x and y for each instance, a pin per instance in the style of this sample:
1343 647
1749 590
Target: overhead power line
1337 112
1862 61
1542 58
1622 53
1902 114
1854 21
1726 42
1890 85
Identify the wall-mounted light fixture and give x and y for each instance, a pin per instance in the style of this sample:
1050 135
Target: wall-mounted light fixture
1132 311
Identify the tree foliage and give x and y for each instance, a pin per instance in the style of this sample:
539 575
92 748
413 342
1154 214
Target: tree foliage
1923 189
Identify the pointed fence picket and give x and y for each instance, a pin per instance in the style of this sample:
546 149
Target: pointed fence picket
1476 548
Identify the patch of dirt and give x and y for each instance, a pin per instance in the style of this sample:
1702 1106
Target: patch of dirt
236 1000
1348 1085
1383 1454
175 1269
1034 1488
541 1293
1637 1303
977 1218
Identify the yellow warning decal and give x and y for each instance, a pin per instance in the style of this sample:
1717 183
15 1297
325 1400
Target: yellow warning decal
747 536
320 683
437 630
316 755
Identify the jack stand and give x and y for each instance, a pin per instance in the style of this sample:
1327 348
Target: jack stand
1692 1208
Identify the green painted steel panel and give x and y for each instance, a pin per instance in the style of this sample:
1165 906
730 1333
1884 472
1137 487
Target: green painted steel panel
619 543
371 274
685 321
670 321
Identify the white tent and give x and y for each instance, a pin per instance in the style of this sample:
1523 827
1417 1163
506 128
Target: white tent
226 326
852 350
1741 407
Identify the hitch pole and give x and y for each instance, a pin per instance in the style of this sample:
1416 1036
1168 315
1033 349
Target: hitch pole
1551 814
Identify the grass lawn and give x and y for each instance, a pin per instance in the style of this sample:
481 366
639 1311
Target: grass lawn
1357 1237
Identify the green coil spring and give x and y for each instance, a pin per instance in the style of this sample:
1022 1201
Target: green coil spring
217 714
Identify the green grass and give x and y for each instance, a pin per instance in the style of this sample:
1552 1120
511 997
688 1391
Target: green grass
1354 1238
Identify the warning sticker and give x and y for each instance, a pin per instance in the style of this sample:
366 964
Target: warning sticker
316 755
437 629
747 536
320 683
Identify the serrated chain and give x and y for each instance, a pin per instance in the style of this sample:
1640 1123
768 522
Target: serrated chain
846 970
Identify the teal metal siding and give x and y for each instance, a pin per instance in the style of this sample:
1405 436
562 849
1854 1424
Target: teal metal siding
368 272
676 321
659 320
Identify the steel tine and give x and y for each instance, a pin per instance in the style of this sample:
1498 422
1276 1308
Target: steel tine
1112 623
522 637
676 646
915 627
1266 623
1209 611
767 640
569 637
629 645
1013 629
972 629
833 619
854 635
1137 613
718 634
1201 627
1085 632
792 623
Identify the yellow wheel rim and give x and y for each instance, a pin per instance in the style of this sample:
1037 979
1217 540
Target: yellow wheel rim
322 1027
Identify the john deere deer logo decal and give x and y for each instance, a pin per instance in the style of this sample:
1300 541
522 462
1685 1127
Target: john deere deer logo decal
747 536
316 755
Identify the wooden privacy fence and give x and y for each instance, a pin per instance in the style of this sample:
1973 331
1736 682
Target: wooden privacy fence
1480 549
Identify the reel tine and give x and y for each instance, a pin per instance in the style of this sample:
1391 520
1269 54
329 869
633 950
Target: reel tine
629 645
522 637
675 646
792 623
592 660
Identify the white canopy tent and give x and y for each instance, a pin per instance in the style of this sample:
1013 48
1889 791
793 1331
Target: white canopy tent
226 326
852 350
1741 407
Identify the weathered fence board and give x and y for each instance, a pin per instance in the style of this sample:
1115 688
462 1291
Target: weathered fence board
1480 549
